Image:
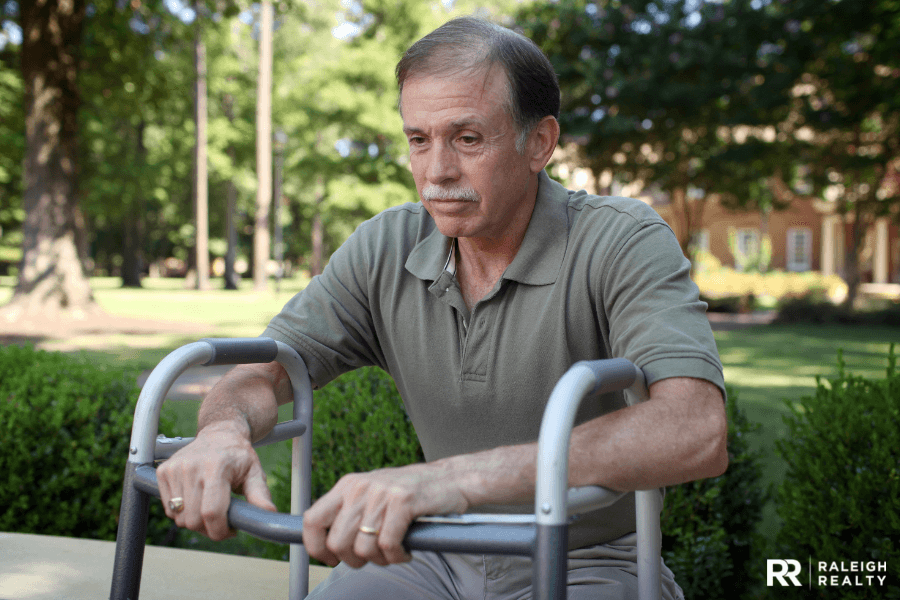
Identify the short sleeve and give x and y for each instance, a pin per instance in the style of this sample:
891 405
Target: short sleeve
329 323
655 314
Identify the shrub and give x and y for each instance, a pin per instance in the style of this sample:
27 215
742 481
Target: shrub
811 309
731 289
709 526
840 499
66 427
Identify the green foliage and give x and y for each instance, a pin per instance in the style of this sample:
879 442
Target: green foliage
840 500
729 290
651 89
65 426
12 151
812 308
709 525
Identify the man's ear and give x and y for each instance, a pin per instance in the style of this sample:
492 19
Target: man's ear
542 142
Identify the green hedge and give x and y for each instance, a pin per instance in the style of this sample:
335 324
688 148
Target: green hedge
709 525
65 425
840 500
812 309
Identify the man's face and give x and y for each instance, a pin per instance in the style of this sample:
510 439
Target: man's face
462 152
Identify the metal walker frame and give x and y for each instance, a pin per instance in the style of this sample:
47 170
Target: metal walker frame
542 536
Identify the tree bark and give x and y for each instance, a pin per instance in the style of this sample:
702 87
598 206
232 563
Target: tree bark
316 264
52 282
231 277
133 234
261 238
200 188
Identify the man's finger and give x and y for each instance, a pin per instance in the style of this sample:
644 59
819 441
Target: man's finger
165 491
390 541
213 512
256 490
317 521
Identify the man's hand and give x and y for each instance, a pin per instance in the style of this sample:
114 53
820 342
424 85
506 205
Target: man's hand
205 472
364 517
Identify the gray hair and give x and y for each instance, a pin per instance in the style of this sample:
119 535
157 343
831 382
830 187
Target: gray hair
469 43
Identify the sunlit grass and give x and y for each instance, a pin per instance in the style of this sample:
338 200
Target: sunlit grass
772 365
190 314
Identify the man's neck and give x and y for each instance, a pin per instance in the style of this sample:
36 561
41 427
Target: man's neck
480 262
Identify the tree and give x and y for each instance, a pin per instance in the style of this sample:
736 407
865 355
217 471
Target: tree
653 91
52 280
335 96
12 149
200 188
135 148
845 119
261 244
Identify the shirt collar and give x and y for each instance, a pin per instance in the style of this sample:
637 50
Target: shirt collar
539 257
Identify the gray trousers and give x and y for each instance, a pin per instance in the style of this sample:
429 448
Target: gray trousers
606 572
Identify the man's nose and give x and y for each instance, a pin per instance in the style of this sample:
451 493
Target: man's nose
443 165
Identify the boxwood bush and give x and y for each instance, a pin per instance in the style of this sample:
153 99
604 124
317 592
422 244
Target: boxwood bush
840 499
65 426
709 526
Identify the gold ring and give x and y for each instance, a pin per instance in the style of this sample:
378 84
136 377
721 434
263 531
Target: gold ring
368 530
176 504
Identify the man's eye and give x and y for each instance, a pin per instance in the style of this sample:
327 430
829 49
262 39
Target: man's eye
468 139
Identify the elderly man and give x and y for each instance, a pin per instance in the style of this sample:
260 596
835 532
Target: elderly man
476 301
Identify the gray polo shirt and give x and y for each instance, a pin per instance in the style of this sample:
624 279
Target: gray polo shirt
595 277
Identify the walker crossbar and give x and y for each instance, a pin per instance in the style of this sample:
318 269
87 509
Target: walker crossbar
478 533
542 536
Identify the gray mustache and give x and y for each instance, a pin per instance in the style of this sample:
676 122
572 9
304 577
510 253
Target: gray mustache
454 192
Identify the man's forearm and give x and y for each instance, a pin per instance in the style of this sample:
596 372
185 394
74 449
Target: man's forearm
678 436
248 396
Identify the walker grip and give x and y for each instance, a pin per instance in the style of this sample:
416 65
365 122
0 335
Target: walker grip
241 351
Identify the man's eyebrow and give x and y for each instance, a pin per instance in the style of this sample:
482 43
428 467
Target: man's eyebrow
464 124
454 126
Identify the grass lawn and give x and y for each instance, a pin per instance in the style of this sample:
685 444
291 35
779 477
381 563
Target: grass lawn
776 363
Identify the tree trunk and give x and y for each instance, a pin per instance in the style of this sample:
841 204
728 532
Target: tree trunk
131 259
852 274
231 278
200 188
52 282
133 238
318 239
261 240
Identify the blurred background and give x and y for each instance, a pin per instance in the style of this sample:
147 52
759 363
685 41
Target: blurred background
221 140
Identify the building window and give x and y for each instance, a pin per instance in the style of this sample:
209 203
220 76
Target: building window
799 249
746 250
700 240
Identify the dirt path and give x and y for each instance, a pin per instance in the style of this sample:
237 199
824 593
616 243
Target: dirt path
91 332
109 331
